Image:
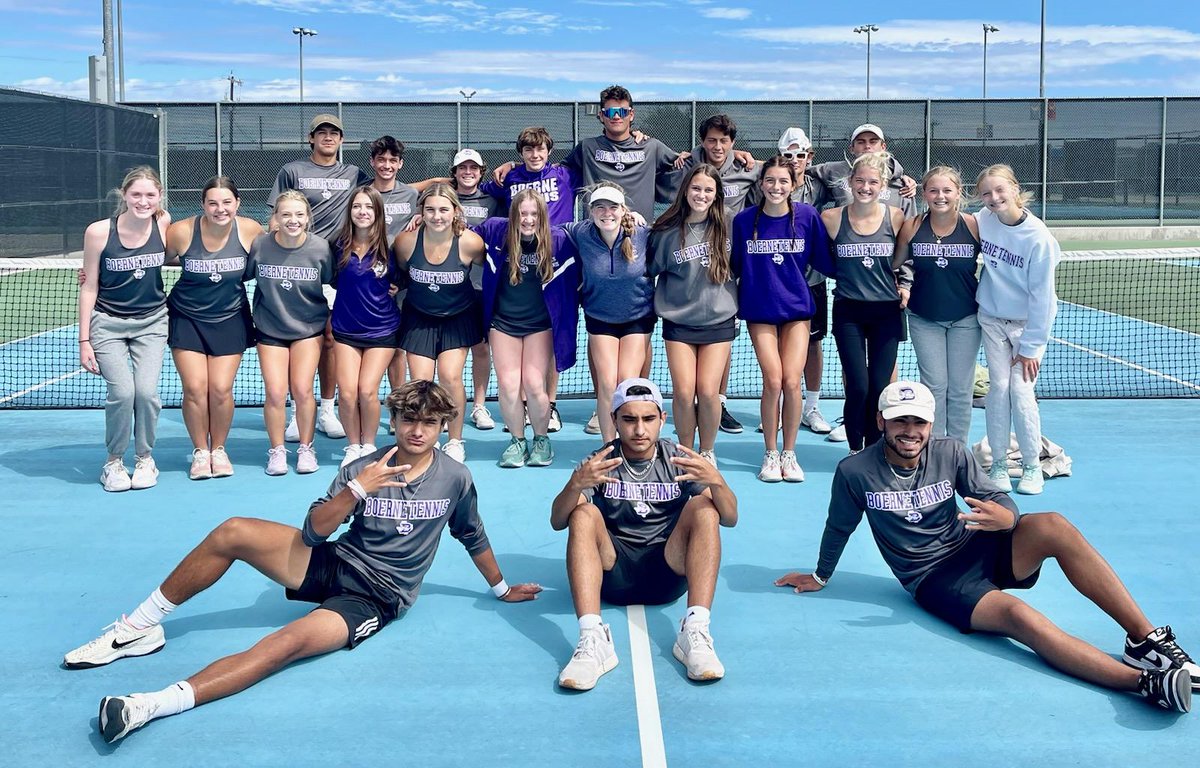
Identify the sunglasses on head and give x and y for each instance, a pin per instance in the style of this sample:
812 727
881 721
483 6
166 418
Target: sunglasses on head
796 154
612 113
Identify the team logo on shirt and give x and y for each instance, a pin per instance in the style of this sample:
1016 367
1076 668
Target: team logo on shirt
777 258
214 277
914 517
139 273
434 287
909 503
941 262
619 166
286 285
326 195
404 528
642 508
388 219
1001 254
868 262
380 269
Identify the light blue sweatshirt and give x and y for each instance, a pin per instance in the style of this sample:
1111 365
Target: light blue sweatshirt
1018 277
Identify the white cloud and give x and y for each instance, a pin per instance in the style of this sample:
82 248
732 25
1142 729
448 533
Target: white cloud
734 14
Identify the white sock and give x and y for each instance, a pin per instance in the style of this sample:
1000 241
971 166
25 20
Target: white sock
327 406
811 399
152 611
173 699
697 614
723 399
589 621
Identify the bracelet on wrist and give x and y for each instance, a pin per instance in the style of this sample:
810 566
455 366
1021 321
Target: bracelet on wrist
85 341
819 580
501 588
357 489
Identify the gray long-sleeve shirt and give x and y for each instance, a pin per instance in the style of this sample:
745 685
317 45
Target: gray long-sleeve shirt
914 520
395 532
684 293
634 166
835 177
327 187
289 302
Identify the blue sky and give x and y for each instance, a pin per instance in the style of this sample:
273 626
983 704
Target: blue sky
381 50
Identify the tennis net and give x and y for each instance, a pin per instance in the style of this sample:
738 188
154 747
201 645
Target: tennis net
1128 326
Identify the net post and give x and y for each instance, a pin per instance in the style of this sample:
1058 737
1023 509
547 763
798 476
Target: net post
1045 154
341 147
1162 167
163 171
458 124
929 131
217 117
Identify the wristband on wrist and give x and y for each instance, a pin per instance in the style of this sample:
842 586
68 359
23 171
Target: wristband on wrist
357 489
501 588
85 341
819 580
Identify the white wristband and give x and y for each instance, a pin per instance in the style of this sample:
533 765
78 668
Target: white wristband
500 588
357 489
819 580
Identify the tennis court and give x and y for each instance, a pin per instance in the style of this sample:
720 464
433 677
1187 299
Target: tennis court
856 674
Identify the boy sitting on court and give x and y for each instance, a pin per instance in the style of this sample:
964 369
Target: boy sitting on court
959 565
397 499
555 182
644 517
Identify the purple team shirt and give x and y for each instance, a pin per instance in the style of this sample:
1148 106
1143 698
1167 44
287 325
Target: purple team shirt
770 267
555 182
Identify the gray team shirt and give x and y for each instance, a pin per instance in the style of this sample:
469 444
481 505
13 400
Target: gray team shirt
478 207
683 293
395 532
914 520
288 300
327 188
642 507
739 185
835 178
399 205
634 166
813 193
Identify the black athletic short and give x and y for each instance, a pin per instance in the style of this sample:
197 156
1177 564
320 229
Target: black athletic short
955 586
707 334
430 335
818 326
390 341
231 336
337 587
274 341
620 330
641 576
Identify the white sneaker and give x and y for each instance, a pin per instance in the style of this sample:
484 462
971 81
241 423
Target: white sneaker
816 422
481 418
327 422
771 471
456 449
118 641
277 460
352 452
1031 481
790 468
221 465
709 456
201 468
593 425
998 474
694 649
292 433
114 476
594 655
121 715
145 473
555 423
306 459
837 434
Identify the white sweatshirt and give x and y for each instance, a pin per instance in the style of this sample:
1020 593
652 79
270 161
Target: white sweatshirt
1018 277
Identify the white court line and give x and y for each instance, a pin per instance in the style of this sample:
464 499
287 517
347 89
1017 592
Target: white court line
39 333
1135 366
36 387
1128 317
654 753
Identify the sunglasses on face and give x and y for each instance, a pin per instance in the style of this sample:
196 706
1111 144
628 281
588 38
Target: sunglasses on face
613 113
796 154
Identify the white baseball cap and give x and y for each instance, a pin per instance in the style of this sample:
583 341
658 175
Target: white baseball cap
622 395
867 128
906 398
464 155
794 136
609 194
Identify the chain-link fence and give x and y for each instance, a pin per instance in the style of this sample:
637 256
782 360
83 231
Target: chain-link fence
1089 161
61 158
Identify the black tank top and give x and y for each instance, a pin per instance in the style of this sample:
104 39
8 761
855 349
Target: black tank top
944 281
864 262
442 289
210 286
131 278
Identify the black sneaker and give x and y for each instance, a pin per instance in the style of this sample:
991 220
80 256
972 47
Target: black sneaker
1159 651
1169 689
728 423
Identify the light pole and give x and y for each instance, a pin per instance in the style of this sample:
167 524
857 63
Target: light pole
1042 57
868 29
303 32
986 29
466 97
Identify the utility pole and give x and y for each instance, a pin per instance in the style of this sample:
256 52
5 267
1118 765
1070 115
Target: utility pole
232 82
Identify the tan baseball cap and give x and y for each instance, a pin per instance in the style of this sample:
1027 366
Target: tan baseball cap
906 398
325 119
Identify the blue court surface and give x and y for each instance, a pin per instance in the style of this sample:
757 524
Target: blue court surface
854 675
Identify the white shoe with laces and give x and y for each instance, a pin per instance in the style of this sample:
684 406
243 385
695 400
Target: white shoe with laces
998 474
292 433
121 715
277 461
709 456
694 649
116 642
837 434
115 477
456 449
327 422
145 473
594 656
306 459
201 468
1031 481
789 467
351 452
815 422
770 472
221 465
482 418
593 425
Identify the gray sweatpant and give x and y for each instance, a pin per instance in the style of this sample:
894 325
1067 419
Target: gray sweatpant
129 351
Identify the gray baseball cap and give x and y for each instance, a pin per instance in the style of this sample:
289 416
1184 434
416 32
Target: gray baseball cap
623 395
